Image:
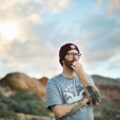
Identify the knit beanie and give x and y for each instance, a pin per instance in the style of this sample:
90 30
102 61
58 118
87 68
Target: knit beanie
64 49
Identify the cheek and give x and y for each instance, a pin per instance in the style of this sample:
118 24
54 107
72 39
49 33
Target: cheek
69 60
76 59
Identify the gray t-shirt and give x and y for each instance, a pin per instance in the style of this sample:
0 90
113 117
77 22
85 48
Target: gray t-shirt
61 90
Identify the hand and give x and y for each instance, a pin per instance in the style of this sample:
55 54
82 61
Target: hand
78 68
84 101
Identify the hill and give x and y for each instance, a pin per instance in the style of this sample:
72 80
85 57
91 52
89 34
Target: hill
109 89
101 80
20 81
20 89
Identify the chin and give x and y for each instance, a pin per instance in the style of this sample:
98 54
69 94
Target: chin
70 67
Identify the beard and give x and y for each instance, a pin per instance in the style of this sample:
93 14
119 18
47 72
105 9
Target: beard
68 64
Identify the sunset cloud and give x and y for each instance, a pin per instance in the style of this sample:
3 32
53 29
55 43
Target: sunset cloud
31 33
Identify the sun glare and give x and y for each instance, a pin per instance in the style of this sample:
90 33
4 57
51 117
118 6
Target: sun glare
9 30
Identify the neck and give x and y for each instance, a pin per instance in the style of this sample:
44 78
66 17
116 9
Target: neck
68 73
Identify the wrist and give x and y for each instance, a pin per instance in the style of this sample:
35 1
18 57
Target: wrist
79 104
84 79
84 101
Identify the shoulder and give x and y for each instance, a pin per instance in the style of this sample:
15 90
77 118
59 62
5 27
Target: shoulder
54 79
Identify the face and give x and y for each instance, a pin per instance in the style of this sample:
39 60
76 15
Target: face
70 57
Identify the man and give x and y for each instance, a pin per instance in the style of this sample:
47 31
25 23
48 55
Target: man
70 95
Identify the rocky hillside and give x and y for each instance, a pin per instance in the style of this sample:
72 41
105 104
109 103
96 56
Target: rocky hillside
21 81
17 98
110 106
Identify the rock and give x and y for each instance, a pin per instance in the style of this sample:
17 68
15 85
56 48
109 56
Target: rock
21 81
31 117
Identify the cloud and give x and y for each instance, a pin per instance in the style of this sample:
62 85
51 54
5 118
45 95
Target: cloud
30 57
102 33
28 13
35 49
114 64
114 59
23 7
29 51
111 6
34 18
99 39
55 6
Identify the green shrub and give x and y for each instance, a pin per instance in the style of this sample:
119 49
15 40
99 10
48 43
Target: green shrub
22 102
9 115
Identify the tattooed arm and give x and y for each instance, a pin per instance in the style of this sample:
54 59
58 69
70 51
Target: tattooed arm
67 109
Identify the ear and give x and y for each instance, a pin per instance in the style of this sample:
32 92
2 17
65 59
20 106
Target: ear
63 62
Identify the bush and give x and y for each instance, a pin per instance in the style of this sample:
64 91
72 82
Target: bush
9 115
107 112
22 102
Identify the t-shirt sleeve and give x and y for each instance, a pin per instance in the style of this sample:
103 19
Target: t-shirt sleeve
53 94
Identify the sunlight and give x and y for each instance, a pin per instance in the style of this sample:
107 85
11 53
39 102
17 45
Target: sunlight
9 30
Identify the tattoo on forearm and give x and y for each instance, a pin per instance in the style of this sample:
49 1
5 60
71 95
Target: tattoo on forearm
77 105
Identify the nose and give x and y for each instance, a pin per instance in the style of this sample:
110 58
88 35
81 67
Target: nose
75 58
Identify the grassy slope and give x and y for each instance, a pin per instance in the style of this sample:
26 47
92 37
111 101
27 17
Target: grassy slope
108 110
110 106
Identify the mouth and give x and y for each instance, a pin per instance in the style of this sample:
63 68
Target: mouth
72 61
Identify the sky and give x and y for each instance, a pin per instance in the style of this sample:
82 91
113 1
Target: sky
32 32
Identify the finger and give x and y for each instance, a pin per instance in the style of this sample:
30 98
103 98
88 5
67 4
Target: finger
73 66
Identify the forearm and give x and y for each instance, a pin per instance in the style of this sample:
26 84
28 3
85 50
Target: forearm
78 105
84 78
92 92
67 109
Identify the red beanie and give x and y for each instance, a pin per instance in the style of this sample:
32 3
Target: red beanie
64 49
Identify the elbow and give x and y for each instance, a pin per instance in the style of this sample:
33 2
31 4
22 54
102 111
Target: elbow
58 111
59 114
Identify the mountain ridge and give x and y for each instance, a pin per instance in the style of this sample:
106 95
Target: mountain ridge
108 87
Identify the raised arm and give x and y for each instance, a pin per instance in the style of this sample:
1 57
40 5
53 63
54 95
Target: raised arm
91 91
